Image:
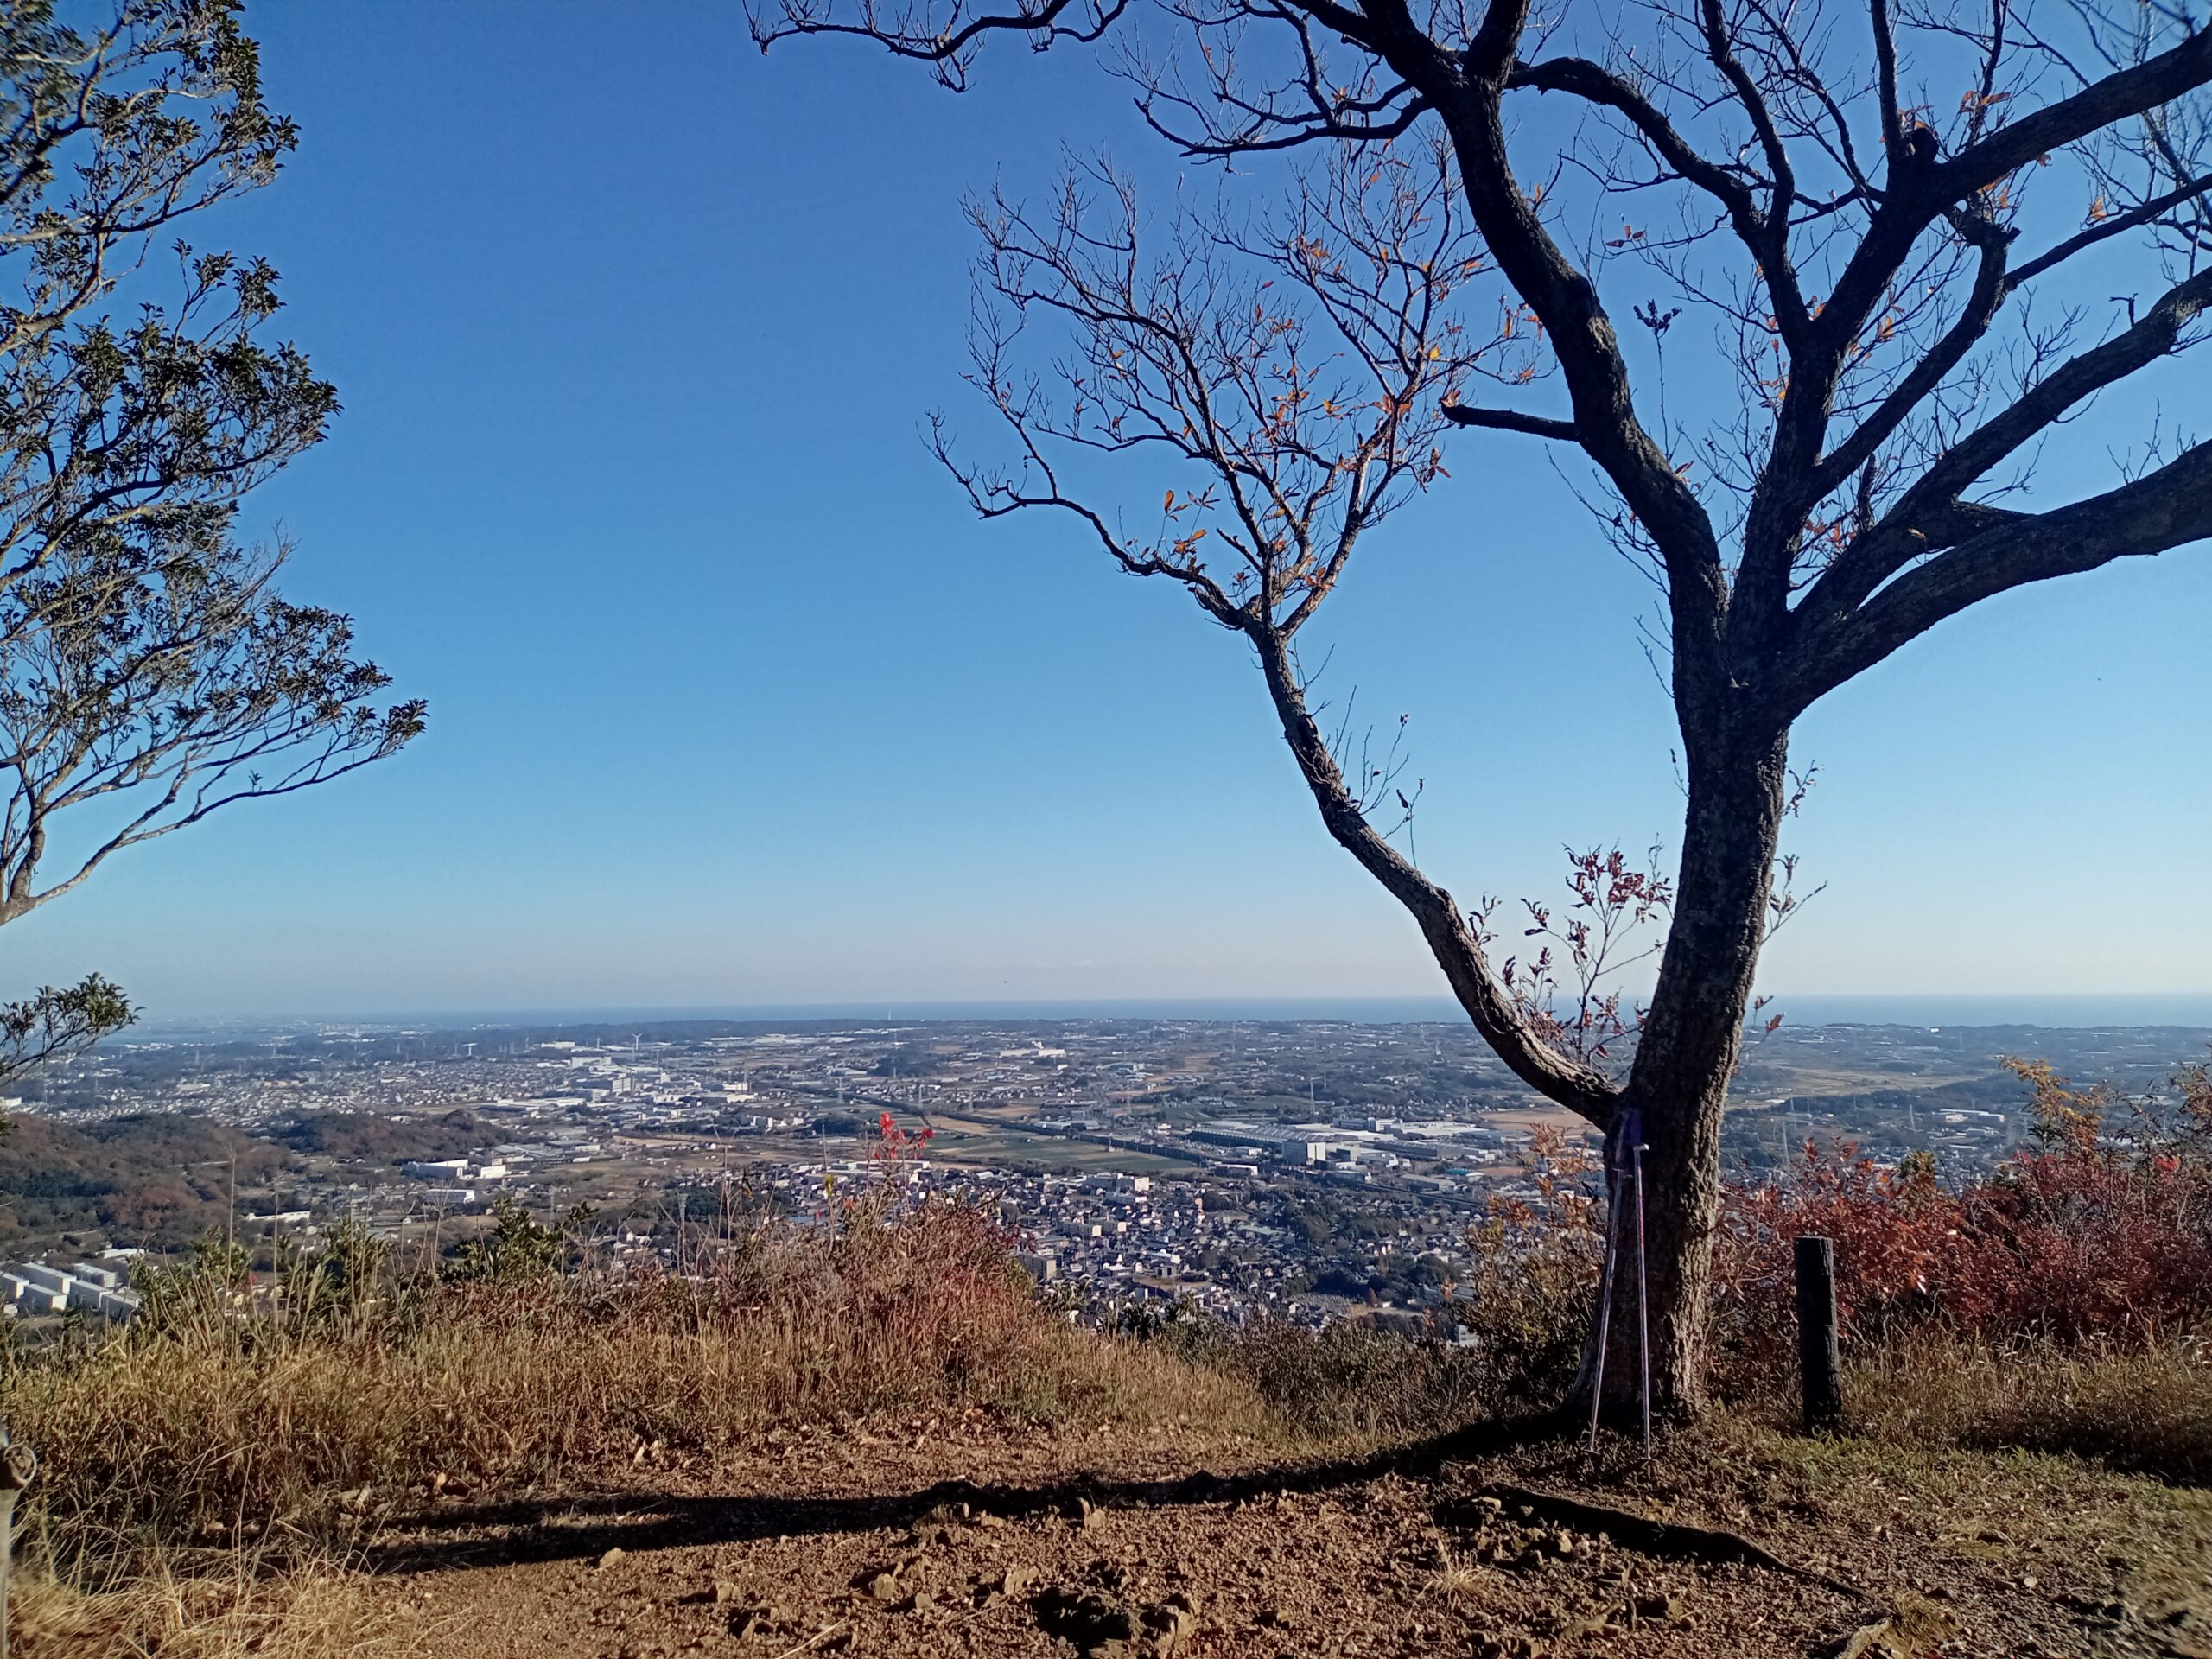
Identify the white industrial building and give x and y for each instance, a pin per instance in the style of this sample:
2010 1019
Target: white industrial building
33 1287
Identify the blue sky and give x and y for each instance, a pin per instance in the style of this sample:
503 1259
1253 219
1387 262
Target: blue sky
733 702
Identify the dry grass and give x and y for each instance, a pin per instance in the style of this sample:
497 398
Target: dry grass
1455 1580
2147 1410
199 1605
179 1442
210 1428
1347 1384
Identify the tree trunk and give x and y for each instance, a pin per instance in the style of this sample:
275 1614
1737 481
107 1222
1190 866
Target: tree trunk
1691 1038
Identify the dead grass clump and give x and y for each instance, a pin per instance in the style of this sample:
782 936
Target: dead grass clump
197 1606
2147 1410
1348 1380
1456 1579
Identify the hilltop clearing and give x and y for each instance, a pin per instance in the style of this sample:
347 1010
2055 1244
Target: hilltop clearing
880 1436
964 1537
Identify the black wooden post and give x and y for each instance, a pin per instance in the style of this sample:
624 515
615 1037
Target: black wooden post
1819 1359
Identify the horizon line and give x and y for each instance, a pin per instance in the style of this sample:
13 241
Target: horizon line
2177 1009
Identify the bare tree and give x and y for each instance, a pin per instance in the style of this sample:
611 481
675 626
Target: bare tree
150 672
1897 220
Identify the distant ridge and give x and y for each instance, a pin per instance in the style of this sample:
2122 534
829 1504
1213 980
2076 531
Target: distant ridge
2182 1010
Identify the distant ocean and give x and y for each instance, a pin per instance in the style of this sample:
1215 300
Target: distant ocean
1903 1008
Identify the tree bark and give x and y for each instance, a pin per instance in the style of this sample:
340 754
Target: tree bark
1693 1036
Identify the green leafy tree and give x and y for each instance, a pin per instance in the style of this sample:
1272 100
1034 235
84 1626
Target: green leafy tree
516 1247
59 1022
150 672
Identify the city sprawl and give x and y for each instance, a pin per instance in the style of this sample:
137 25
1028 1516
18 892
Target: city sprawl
1303 1169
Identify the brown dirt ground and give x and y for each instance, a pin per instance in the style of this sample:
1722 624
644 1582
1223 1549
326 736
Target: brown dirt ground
966 1539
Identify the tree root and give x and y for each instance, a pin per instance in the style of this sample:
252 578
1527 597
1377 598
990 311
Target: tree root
1670 1539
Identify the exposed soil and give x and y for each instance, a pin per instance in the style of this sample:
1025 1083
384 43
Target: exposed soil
967 1539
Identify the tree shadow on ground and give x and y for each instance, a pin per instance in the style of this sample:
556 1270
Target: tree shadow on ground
585 1525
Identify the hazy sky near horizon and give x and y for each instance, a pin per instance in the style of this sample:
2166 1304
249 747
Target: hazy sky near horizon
733 701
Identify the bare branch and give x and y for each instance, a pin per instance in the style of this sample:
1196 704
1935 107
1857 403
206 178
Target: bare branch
1886 82
948 45
1510 420
1904 533
1601 86
2131 92
1932 370
2111 225
2170 507
1504 1025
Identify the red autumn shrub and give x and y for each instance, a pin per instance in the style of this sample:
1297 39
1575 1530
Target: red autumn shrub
1897 1233
2103 1230
2101 1233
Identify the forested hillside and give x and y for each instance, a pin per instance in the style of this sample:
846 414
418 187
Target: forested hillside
157 1180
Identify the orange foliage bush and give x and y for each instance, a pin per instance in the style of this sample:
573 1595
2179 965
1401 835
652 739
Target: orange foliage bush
2099 1233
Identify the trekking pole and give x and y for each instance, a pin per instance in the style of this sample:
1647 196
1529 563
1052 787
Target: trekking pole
18 1467
1605 1293
1644 1314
